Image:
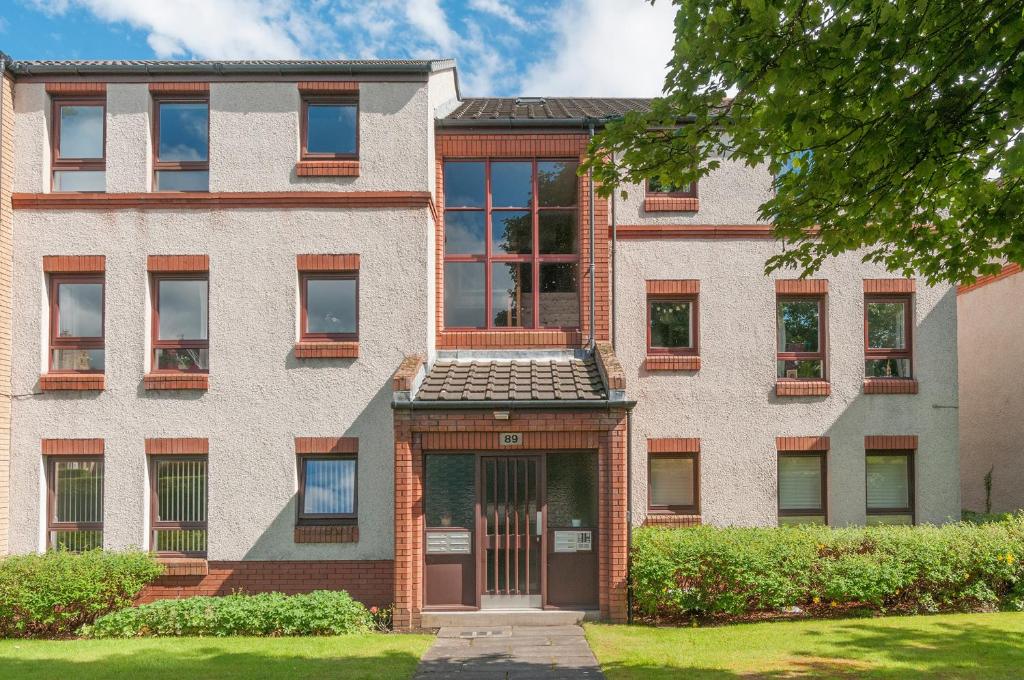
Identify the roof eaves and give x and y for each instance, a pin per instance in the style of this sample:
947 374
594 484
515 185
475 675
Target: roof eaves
30 68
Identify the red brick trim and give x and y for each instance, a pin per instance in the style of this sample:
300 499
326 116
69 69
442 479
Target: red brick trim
327 350
890 386
314 445
87 89
673 287
609 367
74 264
175 87
72 382
673 521
176 381
327 168
802 443
489 441
887 286
803 388
508 339
671 204
402 380
1008 270
654 364
684 231
225 199
184 566
73 447
174 446
178 263
801 286
890 442
326 263
348 533
328 87
674 445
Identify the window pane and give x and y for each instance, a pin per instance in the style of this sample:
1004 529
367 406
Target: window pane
558 232
798 325
465 232
182 180
672 481
331 128
450 494
800 483
559 300
656 186
800 370
183 309
887 368
512 184
80 307
78 491
78 360
512 294
886 325
330 487
74 540
184 131
464 295
670 324
331 306
888 482
464 185
191 359
572 489
81 132
511 233
80 180
181 491
556 183
181 540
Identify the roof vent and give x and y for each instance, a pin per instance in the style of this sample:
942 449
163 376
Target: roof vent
529 101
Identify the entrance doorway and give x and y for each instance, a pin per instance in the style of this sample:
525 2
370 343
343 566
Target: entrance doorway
511 524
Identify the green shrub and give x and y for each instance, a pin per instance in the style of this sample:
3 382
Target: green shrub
709 572
323 612
53 594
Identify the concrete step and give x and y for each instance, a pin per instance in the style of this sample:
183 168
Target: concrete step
509 617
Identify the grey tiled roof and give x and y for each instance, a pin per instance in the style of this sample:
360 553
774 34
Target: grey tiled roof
544 108
505 380
266 66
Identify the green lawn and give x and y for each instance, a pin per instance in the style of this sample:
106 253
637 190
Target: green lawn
951 647
323 658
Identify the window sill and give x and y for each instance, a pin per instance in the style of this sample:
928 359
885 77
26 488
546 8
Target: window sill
671 204
672 521
803 388
184 566
327 168
890 386
509 339
328 533
671 363
176 381
327 350
72 382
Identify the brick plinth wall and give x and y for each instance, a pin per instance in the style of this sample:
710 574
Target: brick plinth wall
369 581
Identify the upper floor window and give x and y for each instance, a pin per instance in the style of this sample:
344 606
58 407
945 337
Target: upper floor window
79 142
672 325
74 503
801 338
76 324
182 133
656 187
511 244
180 322
887 342
330 306
330 128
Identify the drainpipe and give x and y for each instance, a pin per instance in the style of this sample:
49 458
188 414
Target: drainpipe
590 178
615 273
629 516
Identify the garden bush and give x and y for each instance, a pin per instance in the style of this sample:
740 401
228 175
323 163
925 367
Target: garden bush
323 612
709 572
53 594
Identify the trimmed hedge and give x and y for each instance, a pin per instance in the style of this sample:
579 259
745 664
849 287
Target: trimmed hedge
53 594
323 612
710 572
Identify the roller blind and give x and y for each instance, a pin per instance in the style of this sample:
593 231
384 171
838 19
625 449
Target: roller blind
799 482
888 480
671 481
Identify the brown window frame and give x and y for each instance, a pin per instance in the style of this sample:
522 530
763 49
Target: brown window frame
58 342
342 100
154 509
51 496
158 344
911 490
303 518
535 259
661 509
822 353
694 302
689 192
163 166
908 331
804 512
304 279
58 164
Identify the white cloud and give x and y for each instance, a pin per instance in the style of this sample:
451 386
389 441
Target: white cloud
429 18
501 10
607 49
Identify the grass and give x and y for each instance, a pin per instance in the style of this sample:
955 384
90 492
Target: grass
319 658
951 647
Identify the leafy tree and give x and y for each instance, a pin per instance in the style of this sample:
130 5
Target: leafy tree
890 125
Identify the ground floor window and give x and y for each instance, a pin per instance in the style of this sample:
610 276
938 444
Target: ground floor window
179 489
802 496
327 489
890 487
75 503
673 483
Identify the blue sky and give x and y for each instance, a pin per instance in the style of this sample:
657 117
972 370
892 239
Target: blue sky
503 47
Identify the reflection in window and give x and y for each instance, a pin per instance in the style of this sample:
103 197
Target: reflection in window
671 325
329 486
78 154
887 351
331 129
182 162
800 351
76 329
330 306
182 340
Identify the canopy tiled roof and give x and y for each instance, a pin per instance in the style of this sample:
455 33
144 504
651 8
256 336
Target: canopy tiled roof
545 108
512 380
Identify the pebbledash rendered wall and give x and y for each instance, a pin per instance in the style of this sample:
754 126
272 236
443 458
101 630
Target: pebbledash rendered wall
730 402
260 396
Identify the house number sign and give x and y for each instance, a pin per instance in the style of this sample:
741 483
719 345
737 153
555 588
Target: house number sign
510 438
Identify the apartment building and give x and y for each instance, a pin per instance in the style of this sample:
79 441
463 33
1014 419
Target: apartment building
318 324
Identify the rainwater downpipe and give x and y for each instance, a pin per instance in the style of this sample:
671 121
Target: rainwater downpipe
590 273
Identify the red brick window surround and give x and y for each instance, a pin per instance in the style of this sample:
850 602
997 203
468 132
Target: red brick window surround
76 356
328 307
673 325
802 338
79 136
179 287
74 493
328 129
179 488
327 499
802 480
673 476
181 136
660 197
888 336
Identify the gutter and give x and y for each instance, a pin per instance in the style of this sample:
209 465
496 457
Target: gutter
511 405
223 67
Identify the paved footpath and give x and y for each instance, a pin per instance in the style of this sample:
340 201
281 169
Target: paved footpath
509 653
